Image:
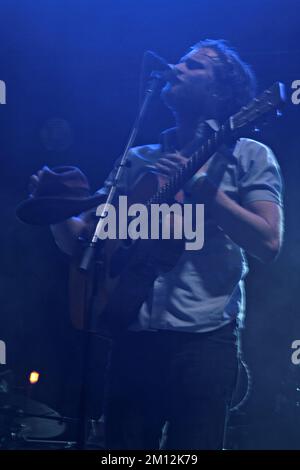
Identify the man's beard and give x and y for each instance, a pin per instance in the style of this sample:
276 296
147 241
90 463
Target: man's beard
185 100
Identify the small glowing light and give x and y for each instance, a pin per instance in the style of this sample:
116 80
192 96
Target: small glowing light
34 377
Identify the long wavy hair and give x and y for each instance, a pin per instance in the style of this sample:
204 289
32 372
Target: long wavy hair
236 81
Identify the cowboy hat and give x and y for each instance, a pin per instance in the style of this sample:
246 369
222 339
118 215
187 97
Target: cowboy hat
60 193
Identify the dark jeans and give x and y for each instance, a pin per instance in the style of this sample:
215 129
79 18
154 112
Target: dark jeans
183 379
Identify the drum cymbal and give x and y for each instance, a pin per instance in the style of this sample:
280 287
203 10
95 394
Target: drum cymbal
20 408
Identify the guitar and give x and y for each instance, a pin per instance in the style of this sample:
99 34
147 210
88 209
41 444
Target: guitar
113 290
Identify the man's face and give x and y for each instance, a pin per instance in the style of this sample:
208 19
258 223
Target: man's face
193 84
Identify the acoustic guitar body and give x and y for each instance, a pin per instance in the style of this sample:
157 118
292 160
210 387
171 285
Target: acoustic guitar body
107 298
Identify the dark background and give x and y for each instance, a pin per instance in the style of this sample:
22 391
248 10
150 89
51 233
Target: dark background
72 71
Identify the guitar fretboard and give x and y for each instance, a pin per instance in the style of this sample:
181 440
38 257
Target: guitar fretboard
167 192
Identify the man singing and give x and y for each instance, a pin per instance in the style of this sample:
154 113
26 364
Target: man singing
175 367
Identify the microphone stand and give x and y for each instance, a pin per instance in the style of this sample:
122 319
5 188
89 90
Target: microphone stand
89 255
89 252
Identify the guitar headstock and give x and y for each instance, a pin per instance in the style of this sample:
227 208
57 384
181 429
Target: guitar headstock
270 100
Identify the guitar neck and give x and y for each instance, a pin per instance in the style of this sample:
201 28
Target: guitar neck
270 100
167 192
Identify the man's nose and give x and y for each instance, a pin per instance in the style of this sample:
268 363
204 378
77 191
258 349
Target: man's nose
173 69
178 68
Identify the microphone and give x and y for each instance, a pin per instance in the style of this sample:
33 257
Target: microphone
164 70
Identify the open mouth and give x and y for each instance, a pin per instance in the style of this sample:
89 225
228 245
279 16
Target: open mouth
174 79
